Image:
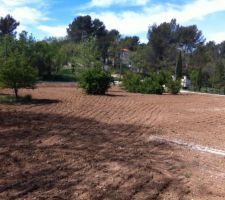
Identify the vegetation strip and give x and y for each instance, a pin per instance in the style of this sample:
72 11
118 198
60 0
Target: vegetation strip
189 145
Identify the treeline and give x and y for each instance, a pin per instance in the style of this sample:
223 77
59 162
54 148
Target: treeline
88 43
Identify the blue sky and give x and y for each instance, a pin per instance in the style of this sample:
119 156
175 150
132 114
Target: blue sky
45 18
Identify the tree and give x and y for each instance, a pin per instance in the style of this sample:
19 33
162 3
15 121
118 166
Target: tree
16 74
44 58
86 54
140 59
98 29
179 67
130 43
190 38
219 75
196 78
8 26
81 28
164 42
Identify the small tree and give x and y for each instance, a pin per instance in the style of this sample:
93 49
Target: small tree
179 67
16 74
196 78
86 54
219 75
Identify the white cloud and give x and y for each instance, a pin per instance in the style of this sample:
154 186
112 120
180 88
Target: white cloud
55 31
136 23
217 37
19 2
108 3
27 12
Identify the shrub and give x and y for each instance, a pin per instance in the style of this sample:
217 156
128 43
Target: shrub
164 77
151 85
95 81
131 82
174 86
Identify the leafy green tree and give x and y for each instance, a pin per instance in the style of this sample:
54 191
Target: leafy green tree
86 54
219 75
140 59
44 58
196 78
16 74
179 67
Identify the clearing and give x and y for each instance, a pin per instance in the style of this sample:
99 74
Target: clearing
67 145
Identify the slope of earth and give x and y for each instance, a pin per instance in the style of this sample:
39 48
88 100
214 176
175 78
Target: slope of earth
67 145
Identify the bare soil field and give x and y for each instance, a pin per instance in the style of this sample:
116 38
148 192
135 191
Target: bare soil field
67 145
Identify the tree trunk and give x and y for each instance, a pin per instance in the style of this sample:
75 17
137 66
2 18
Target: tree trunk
16 92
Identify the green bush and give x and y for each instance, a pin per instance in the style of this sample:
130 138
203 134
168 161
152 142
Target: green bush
164 77
131 82
95 81
174 86
151 85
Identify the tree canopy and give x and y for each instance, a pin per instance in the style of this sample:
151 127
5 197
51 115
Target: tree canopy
8 26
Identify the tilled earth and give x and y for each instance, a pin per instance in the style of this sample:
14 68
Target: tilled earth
67 145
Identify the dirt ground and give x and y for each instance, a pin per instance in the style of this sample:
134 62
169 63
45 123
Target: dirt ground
67 145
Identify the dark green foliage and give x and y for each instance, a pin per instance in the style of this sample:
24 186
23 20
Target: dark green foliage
80 28
151 85
179 67
190 38
174 86
84 27
63 75
8 26
131 82
166 38
95 81
16 74
164 77
196 78
130 43
219 75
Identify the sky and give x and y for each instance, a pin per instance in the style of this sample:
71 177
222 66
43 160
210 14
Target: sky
44 18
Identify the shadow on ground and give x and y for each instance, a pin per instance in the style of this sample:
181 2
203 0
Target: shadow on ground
11 100
47 156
